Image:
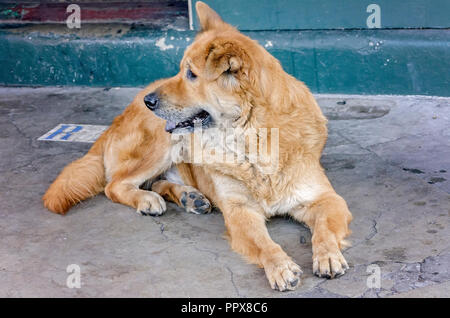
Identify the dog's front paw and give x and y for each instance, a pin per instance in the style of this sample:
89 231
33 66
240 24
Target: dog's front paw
151 203
283 275
329 262
195 202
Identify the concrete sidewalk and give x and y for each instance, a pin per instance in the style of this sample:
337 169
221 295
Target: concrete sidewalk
389 157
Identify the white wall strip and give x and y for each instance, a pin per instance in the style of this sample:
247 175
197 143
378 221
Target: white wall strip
191 22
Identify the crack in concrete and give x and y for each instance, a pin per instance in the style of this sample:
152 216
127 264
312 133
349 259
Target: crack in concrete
321 282
216 255
161 227
233 283
216 258
393 140
21 133
374 230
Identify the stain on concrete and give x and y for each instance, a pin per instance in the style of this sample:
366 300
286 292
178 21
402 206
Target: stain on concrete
302 240
434 180
354 108
395 254
336 162
416 171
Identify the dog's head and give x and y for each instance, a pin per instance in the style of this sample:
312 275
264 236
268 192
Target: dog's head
220 76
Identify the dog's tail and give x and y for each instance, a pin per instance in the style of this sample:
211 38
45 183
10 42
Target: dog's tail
78 181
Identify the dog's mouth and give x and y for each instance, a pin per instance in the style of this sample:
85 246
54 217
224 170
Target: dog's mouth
201 119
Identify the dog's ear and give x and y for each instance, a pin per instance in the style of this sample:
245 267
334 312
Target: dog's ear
208 18
223 58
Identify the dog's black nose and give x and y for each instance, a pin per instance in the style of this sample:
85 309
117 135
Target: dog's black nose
151 101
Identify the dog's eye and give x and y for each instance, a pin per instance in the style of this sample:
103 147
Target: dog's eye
190 75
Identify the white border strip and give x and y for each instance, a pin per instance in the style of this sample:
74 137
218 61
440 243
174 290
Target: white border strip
191 22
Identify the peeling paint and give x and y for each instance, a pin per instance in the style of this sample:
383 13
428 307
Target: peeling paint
161 43
268 44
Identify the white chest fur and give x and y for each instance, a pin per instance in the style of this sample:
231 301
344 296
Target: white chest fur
172 175
293 198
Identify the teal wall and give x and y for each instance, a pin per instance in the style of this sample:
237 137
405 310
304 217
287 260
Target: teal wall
329 14
329 60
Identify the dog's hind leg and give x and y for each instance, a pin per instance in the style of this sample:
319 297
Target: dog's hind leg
124 188
125 191
131 173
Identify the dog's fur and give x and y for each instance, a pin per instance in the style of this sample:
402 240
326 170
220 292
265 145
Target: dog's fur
240 85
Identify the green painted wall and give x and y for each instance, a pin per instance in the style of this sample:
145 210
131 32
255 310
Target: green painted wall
329 14
330 61
325 43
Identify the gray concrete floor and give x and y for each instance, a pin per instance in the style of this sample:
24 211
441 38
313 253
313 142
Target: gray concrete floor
389 157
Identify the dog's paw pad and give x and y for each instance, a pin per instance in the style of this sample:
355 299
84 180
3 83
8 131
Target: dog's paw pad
195 202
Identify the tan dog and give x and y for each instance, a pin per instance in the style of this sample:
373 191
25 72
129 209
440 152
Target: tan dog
225 80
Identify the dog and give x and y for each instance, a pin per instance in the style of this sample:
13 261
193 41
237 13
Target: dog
226 79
